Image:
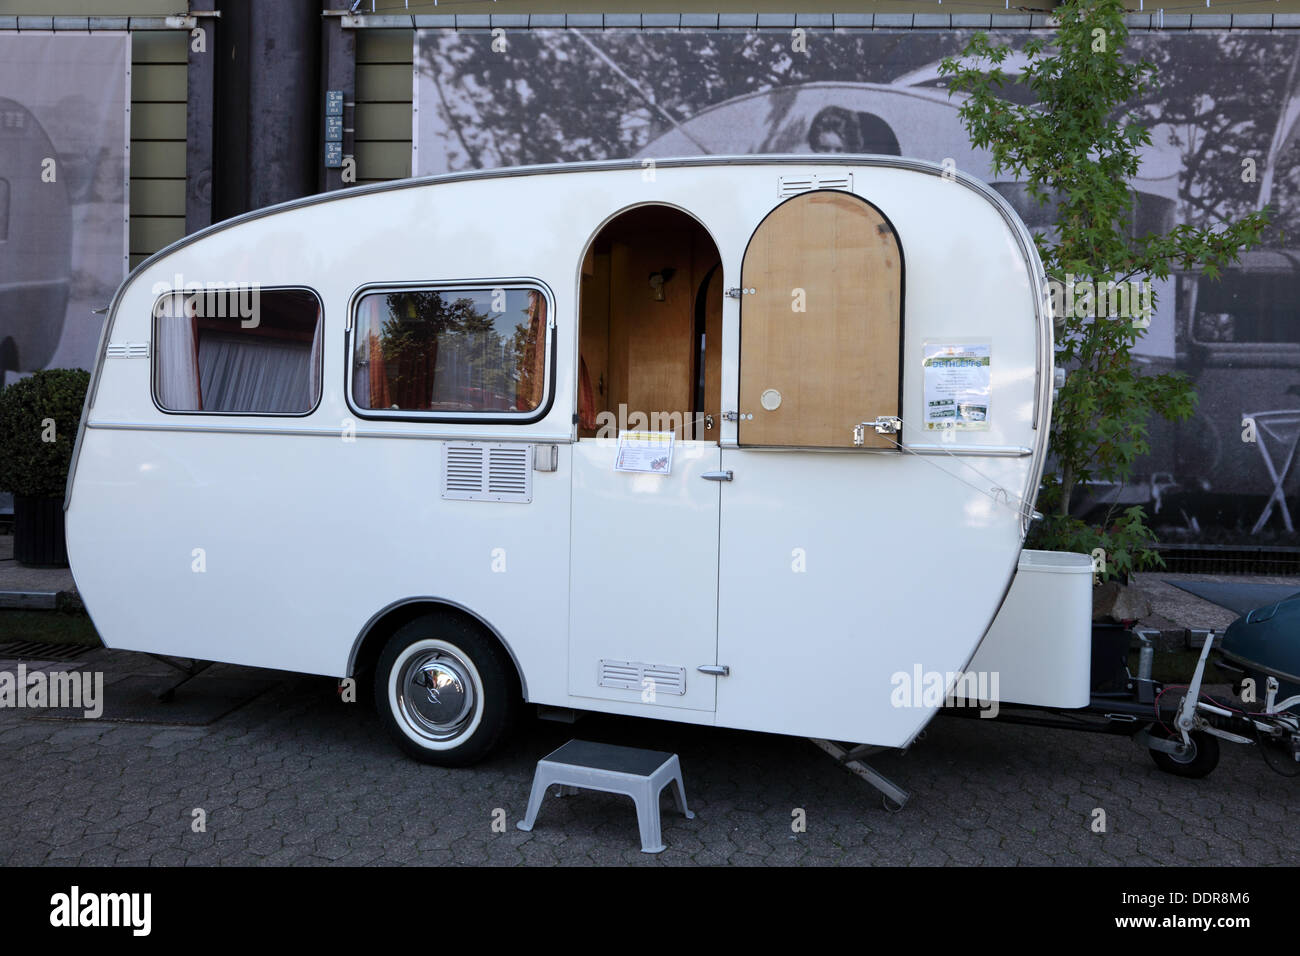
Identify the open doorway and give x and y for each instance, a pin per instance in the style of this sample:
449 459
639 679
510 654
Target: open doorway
650 328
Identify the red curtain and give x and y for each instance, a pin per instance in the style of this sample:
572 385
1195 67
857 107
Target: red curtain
532 374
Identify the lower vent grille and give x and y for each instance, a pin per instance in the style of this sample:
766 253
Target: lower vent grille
639 676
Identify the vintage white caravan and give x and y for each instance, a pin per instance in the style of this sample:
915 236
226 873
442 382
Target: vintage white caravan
737 441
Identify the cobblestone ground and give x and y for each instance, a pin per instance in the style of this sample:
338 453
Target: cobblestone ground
298 777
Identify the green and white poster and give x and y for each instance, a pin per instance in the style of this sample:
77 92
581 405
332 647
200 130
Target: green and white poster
957 386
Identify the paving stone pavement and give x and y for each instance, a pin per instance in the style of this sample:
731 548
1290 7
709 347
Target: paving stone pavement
298 777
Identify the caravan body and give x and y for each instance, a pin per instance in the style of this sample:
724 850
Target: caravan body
389 439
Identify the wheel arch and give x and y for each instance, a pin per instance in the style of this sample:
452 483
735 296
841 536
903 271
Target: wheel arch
383 623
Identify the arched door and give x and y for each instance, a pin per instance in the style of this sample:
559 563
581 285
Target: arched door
820 331
809 542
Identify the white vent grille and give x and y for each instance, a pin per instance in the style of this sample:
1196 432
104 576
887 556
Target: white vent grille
128 350
509 470
634 675
463 470
793 185
485 471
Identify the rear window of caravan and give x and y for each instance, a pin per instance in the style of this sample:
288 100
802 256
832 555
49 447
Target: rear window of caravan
238 350
450 352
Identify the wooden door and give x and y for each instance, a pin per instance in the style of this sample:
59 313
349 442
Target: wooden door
820 337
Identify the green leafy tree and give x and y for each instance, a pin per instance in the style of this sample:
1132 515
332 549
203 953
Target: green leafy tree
1076 147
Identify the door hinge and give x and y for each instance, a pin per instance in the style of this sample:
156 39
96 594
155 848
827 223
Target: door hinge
736 293
721 670
727 475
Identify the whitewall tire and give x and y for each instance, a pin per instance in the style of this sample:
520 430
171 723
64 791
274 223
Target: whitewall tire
445 691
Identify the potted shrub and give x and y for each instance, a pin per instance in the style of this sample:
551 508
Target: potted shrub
38 426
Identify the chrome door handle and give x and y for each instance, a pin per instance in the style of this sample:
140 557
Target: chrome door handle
718 475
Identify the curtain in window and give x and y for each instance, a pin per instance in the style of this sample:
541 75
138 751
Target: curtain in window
378 391
402 355
361 369
245 373
314 369
369 383
177 357
532 361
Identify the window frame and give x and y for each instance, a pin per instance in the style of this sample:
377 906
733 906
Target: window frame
549 362
153 358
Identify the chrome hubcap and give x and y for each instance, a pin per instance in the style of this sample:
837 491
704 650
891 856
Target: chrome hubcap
1186 755
437 694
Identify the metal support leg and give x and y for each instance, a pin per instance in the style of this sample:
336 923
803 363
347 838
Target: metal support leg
191 671
892 793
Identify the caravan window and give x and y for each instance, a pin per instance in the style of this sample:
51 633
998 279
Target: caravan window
238 350
450 350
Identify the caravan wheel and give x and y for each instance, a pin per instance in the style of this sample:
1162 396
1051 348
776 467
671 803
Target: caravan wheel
1199 761
444 691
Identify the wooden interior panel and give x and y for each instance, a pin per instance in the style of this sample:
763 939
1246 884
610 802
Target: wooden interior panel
836 363
659 333
646 350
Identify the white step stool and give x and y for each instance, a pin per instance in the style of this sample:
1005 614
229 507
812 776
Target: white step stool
639 774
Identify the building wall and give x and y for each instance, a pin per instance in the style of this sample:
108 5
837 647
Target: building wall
383 112
157 140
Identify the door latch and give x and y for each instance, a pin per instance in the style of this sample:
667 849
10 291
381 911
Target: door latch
884 425
736 293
